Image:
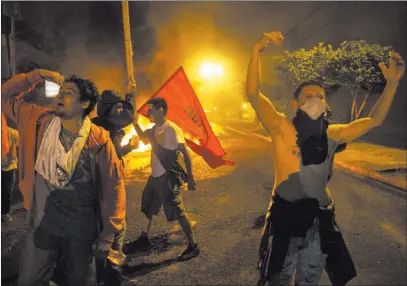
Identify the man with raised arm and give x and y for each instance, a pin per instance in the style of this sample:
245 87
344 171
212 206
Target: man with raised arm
301 236
70 178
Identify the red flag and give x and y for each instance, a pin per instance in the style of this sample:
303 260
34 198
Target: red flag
185 110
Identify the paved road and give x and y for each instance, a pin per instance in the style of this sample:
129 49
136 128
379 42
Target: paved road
225 208
227 203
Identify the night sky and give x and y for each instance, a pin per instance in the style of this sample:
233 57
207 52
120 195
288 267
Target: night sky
86 38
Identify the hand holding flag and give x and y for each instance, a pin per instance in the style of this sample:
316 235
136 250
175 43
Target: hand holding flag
185 110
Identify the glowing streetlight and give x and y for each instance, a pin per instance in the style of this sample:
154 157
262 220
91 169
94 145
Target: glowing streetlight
206 70
211 70
218 69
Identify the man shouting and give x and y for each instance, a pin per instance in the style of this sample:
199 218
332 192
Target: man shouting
300 236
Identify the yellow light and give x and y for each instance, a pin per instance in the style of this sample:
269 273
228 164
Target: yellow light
218 70
244 105
211 70
206 70
132 132
214 108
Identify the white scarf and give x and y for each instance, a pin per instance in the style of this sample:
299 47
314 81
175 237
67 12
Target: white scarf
53 162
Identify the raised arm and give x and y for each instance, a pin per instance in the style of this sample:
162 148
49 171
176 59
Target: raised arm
266 112
12 104
357 128
141 134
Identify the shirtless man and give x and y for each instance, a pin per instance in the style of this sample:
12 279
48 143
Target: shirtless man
300 221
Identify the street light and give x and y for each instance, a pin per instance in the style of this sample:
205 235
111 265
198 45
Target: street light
210 70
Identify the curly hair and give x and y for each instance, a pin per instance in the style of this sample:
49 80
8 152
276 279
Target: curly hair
87 90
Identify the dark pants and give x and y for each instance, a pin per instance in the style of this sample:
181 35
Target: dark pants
41 253
7 188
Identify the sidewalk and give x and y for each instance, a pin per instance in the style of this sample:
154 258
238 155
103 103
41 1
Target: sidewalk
377 162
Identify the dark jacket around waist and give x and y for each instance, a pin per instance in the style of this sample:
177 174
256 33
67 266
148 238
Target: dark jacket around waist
285 220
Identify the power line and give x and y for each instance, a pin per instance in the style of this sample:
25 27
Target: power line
313 33
314 11
321 28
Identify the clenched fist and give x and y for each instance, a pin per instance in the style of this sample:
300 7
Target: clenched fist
275 37
395 71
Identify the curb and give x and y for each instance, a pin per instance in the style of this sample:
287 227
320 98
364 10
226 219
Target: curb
399 184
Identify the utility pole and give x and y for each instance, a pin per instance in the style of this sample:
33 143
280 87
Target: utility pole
127 41
12 44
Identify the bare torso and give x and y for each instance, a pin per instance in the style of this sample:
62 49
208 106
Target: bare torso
288 170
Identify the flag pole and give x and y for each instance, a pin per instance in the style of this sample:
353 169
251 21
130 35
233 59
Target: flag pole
127 40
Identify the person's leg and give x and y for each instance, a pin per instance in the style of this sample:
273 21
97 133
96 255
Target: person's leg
286 276
112 272
174 209
79 261
186 226
7 186
37 265
119 237
147 222
150 206
311 260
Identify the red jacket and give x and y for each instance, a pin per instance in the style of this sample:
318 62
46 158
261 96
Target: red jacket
31 121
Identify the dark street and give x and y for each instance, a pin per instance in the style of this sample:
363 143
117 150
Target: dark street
95 95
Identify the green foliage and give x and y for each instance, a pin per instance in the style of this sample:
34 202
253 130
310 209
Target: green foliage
353 64
357 64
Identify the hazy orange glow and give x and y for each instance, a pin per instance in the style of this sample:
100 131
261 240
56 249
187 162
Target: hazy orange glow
130 132
211 70
145 124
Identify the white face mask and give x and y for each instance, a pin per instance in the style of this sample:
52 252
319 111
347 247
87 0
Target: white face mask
314 107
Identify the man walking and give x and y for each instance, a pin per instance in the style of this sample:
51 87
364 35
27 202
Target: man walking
300 235
168 174
69 177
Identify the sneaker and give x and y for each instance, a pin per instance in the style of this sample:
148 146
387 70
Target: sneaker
189 253
6 218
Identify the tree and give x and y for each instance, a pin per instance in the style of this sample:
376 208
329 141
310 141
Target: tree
304 65
356 68
354 65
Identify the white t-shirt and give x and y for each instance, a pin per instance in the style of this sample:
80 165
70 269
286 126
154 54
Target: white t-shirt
169 136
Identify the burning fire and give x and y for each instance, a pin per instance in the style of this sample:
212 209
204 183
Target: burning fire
130 132
145 124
